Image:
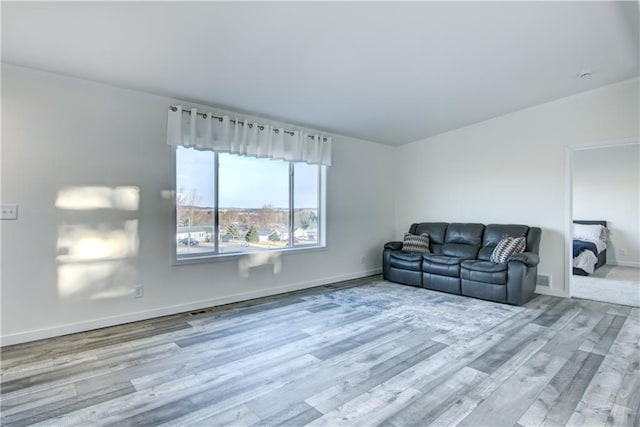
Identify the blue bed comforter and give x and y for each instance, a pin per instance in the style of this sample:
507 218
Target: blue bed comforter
580 246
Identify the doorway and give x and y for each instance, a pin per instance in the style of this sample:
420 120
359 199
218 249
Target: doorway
605 187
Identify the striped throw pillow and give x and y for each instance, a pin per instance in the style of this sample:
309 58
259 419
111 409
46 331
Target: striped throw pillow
416 243
507 247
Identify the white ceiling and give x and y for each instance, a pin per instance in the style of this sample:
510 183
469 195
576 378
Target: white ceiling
388 72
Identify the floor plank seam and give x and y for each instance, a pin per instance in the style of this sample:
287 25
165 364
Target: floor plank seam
364 352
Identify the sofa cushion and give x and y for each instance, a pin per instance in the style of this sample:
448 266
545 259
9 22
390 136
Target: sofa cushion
484 290
508 247
469 234
407 277
416 242
406 260
441 264
463 240
394 246
438 282
484 271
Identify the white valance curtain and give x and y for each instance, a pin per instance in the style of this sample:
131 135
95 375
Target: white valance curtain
207 131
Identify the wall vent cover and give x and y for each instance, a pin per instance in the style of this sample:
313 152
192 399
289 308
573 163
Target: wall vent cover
543 280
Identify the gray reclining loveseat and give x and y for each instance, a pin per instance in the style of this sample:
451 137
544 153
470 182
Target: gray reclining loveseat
459 261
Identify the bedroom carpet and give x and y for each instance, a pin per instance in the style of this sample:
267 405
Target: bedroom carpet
613 284
617 272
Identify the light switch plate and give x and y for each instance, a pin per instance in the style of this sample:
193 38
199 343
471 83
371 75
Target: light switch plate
9 211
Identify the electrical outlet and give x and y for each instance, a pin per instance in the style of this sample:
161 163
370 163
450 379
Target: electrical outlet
9 211
622 251
138 292
362 259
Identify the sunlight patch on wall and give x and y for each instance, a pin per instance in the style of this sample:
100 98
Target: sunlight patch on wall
97 252
82 243
86 197
257 259
95 263
96 280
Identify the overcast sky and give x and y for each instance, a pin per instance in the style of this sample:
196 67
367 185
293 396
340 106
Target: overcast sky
245 182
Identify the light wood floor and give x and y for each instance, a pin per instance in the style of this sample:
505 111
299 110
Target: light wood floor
305 359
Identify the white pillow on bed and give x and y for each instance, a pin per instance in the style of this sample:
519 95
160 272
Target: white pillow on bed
588 231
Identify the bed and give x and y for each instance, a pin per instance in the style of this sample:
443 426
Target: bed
589 246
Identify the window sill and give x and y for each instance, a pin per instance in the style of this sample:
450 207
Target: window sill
197 259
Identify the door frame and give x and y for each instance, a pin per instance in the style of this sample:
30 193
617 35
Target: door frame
568 212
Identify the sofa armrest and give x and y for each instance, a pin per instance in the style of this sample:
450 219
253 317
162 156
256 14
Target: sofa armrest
386 257
528 258
394 246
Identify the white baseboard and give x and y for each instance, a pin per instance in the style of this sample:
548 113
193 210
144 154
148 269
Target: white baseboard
545 290
627 264
104 322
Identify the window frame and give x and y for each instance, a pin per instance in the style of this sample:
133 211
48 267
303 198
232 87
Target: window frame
216 256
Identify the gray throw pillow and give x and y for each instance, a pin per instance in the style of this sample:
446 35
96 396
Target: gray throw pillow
507 247
416 243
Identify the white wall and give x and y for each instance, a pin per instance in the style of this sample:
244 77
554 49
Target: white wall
606 186
511 169
60 132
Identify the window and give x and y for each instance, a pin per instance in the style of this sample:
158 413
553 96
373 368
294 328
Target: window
228 204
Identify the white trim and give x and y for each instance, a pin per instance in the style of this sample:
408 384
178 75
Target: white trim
604 144
322 206
569 150
104 322
234 256
568 221
543 290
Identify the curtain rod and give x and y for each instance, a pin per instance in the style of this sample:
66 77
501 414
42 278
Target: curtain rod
205 115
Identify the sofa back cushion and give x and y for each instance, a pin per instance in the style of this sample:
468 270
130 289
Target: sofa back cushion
463 240
533 240
494 233
435 230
